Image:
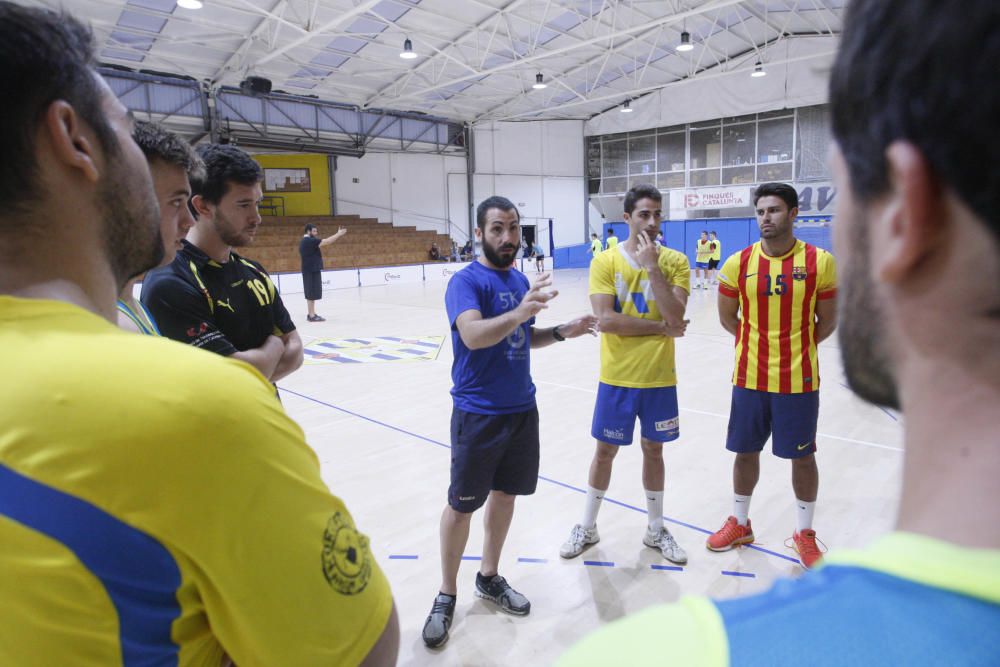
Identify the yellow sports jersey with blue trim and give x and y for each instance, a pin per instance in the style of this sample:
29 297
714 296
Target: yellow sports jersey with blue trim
637 361
907 600
157 506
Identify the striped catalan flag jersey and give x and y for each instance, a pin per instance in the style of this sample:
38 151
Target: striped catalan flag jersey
776 342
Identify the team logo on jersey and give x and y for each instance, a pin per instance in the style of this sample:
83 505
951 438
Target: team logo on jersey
516 338
347 560
799 273
225 304
198 330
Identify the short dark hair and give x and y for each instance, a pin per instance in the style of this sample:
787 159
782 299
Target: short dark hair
158 143
713 233
44 56
309 227
495 201
641 192
783 191
925 72
594 234
224 164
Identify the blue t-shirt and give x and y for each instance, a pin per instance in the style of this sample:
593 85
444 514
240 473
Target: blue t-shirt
494 380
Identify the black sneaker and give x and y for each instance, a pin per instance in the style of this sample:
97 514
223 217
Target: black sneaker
496 589
315 318
437 623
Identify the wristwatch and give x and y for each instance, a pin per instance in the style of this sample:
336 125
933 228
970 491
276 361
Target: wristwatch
558 336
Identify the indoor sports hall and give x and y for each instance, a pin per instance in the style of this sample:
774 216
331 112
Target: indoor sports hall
393 120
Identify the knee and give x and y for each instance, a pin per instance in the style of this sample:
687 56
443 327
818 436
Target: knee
747 458
652 450
455 517
605 453
807 462
501 498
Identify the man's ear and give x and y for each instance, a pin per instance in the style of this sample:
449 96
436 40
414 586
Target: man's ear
201 207
912 212
73 144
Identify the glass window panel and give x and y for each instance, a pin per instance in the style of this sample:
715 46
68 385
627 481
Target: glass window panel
774 140
738 144
737 175
781 171
706 148
641 149
814 142
614 159
613 185
645 179
594 158
594 186
704 177
671 180
642 167
670 152
731 120
780 113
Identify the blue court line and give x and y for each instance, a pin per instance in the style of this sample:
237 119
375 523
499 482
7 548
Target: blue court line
406 349
403 557
330 345
415 342
388 357
599 563
541 477
674 568
532 560
357 340
472 557
730 573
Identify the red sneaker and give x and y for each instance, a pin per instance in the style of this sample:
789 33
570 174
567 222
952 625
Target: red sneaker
732 534
805 546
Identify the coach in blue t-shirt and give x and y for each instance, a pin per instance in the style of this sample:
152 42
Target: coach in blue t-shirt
494 424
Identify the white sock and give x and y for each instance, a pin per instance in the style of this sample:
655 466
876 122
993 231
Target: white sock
804 514
594 498
741 509
654 506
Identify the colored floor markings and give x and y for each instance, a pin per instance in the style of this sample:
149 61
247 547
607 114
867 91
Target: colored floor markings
673 568
532 560
599 563
549 480
730 573
403 557
472 557
377 350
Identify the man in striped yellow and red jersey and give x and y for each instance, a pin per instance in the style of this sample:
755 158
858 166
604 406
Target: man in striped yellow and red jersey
778 298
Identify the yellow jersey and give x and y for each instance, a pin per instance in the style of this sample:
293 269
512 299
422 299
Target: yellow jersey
716 246
157 506
612 242
703 251
776 341
596 247
637 361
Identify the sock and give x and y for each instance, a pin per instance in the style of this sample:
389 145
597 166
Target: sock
804 514
654 506
453 597
594 498
741 509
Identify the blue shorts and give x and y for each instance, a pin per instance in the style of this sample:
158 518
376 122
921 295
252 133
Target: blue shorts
617 408
788 419
492 452
701 265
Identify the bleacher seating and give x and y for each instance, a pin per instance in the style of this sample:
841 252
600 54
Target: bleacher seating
368 242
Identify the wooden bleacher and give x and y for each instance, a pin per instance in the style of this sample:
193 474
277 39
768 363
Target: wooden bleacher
368 242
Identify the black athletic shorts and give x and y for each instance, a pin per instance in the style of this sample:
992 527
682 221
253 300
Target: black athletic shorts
492 452
312 281
713 264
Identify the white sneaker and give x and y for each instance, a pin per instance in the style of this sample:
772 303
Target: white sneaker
579 539
667 545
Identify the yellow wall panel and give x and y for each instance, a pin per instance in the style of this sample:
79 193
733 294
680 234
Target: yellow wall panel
314 202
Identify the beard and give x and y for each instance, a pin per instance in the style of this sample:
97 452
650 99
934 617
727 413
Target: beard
861 333
494 257
228 231
131 217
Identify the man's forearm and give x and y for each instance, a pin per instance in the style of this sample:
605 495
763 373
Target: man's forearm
264 358
671 308
479 334
290 361
731 324
624 325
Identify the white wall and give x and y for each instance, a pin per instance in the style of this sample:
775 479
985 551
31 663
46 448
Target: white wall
416 190
539 166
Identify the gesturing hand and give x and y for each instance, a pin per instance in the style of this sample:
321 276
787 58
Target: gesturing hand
648 253
536 299
579 326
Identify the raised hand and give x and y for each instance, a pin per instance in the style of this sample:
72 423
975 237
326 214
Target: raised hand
537 298
648 254
581 325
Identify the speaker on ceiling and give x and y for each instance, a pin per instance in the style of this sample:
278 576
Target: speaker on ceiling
255 85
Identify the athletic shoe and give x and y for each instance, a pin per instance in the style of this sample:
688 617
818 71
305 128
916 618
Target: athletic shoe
579 539
496 589
665 542
437 623
805 547
315 318
732 534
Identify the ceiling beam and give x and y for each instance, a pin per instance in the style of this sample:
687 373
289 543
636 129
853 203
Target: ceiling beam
316 32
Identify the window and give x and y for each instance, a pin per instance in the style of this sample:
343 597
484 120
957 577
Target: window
774 141
670 152
738 143
642 156
706 147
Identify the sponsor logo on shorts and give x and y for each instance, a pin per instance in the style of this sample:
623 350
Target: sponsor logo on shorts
614 434
347 559
464 498
668 424
801 447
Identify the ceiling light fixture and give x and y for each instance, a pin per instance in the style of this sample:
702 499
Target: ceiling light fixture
189 4
627 107
685 44
758 71
407 52
539 83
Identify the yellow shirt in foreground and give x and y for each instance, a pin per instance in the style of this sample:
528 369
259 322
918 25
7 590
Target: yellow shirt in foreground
157 506
637 361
